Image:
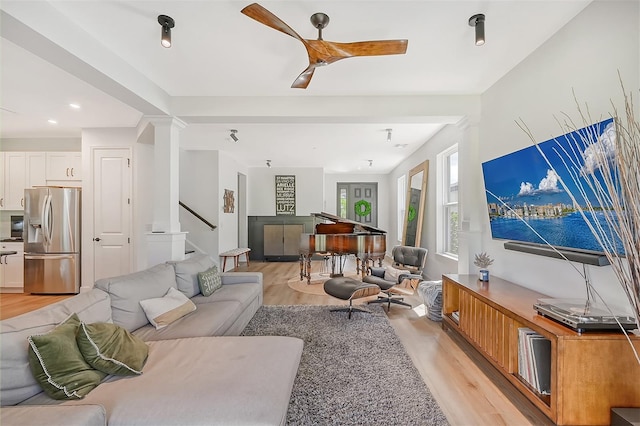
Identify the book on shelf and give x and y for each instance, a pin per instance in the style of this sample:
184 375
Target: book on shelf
534 360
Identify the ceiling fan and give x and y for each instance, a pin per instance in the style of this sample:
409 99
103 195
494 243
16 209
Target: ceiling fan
323 52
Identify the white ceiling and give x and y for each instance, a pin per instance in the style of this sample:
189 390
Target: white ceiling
106 56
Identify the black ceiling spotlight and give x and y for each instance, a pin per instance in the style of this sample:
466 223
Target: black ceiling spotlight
167 23
268 163
477 21
233 135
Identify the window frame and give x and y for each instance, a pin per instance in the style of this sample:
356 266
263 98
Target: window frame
445 205
402 205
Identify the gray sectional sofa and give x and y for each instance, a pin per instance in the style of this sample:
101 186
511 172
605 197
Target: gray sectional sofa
198 371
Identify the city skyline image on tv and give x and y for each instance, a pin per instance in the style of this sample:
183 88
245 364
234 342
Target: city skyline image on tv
522 189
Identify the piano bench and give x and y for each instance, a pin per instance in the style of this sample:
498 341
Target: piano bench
346 288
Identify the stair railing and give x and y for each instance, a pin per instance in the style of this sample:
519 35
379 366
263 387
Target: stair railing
202 219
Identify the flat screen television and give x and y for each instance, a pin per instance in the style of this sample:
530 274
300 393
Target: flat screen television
522 189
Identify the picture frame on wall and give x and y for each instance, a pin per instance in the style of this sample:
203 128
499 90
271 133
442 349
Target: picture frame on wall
229 201
285 195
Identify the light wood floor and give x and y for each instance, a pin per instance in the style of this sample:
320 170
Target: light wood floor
461 386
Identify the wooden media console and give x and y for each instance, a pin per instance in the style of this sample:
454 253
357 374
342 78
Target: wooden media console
590 372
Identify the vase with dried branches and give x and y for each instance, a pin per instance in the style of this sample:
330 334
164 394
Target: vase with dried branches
613 176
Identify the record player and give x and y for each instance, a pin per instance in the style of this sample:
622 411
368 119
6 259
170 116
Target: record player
581 315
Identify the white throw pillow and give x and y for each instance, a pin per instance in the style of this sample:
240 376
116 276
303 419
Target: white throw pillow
392 274
162 311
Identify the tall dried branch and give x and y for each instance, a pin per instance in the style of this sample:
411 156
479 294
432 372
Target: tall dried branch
612 175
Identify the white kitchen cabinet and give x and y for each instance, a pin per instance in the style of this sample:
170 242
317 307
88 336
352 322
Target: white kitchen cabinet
15 176
21 170
36 163
12 268
64 166
2 181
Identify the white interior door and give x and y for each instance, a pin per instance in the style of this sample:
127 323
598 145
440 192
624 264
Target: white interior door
112 212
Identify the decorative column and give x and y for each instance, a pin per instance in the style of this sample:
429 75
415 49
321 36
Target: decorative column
166 241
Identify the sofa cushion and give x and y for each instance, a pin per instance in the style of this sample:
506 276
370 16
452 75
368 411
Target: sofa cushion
16 381
186 273
57 363
54 415
209 281
111 349
206 380
162 311
90 306
241 293
212 319
127 291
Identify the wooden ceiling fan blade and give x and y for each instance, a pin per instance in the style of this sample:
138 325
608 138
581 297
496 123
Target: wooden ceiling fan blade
369 48
304 78
323 52
262 15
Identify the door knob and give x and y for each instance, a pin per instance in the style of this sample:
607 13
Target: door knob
96 239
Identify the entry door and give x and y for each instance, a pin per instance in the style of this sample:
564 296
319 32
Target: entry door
112 212
358 201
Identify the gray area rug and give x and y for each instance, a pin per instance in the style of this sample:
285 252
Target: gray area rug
352 372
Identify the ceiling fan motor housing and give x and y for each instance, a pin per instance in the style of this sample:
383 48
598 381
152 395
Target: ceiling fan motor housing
319 20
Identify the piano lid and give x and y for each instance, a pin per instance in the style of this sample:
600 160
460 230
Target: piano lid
359 227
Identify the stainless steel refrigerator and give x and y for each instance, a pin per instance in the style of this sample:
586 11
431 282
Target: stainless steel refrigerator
51 236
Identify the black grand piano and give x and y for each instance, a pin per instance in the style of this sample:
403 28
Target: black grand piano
340 238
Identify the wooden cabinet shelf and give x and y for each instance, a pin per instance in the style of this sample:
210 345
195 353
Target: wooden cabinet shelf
590 372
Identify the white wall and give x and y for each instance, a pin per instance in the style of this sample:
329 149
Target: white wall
204 176
199 189
444 139
41 144
261 184
584 56
228 222
143 187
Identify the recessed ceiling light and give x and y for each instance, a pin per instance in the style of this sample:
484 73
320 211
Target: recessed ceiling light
52 121
401 145
74 106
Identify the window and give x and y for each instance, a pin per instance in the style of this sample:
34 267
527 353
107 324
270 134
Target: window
342 202
448 221
402 204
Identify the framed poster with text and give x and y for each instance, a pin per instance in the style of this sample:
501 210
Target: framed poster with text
285 195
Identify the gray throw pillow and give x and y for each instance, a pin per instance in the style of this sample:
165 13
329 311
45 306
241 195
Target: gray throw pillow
186 273
209 281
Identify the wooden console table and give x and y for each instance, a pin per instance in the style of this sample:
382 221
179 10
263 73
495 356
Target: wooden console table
590 372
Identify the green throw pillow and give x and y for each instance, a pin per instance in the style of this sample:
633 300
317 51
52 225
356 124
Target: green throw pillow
209 281
58 365
112 349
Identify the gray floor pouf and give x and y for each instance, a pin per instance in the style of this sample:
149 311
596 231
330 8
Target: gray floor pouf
431 294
